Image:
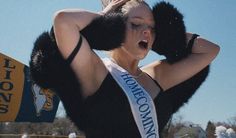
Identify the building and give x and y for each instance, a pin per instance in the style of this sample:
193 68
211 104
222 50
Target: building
191 131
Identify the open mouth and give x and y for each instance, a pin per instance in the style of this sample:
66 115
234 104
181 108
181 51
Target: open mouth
143 44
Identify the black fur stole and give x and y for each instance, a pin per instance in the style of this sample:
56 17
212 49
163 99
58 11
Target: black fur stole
171 42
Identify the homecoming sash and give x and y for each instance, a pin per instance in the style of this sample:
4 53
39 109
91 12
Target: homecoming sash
142 106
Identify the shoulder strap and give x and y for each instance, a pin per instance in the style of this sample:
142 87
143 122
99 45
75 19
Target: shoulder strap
191 41
75 51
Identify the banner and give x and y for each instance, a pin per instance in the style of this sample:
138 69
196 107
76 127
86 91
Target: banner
20 99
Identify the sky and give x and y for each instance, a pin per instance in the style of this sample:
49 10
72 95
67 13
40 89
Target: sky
21 21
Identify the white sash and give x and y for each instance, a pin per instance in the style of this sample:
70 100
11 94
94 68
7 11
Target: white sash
141 103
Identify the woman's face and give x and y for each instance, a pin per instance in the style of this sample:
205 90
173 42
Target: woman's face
140 31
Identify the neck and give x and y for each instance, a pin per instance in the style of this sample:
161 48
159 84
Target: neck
127 62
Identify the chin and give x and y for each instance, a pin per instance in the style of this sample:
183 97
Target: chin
141 56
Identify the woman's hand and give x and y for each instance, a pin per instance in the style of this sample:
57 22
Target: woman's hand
113 5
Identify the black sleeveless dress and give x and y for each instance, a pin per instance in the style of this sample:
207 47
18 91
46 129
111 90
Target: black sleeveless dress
107 113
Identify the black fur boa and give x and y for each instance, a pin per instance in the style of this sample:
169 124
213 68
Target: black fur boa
49 70
171 43
170 32
106 32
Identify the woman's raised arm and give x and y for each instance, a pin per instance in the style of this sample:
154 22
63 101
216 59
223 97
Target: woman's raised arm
203 53
67 27
69 22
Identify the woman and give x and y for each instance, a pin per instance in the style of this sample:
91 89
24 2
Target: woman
106 111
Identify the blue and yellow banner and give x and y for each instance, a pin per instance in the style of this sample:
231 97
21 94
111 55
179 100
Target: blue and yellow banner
20 99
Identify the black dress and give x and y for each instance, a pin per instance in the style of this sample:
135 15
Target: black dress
108 114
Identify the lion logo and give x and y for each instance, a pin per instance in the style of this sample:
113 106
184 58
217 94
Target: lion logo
43 99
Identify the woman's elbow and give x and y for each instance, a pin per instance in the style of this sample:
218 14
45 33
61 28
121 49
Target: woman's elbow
216 49
208 46
61 17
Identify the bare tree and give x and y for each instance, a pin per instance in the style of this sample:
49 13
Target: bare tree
60 126
232 122
210 130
